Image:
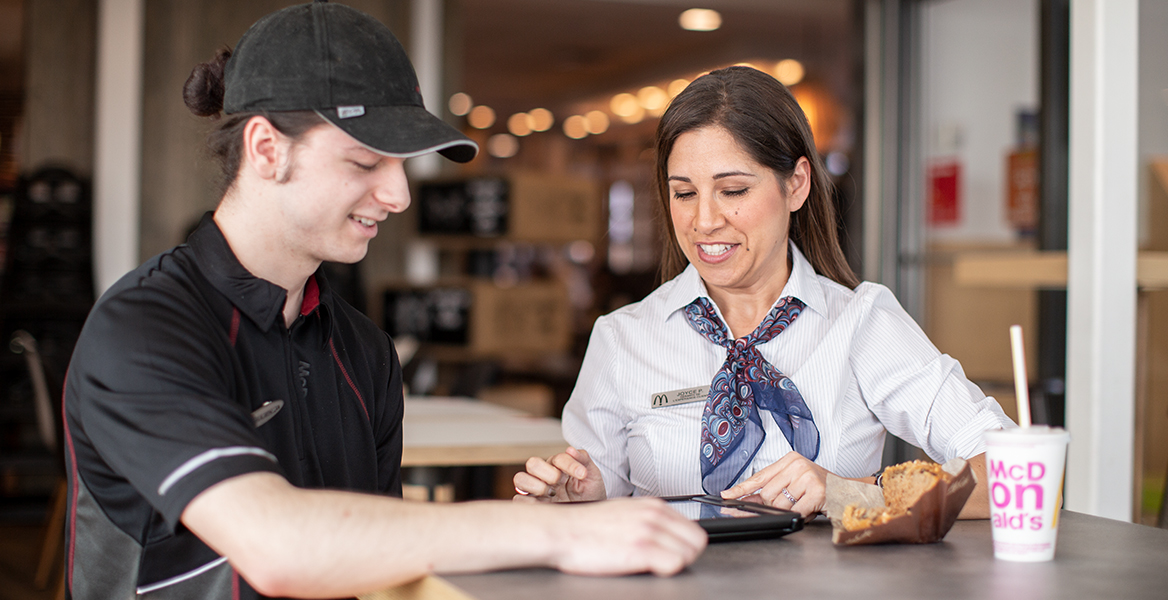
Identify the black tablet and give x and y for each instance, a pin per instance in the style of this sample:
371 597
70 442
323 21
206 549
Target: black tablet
733 520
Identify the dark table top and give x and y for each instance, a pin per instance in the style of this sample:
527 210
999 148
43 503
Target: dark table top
1095 558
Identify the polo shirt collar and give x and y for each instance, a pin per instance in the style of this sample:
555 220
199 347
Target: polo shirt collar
320 303
802 283
260 300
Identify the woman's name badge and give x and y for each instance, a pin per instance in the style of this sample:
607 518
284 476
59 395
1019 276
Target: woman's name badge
693 394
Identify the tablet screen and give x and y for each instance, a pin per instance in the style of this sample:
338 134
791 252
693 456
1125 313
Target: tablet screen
726 520
694 508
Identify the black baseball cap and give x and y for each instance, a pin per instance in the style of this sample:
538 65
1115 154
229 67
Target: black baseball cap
346 66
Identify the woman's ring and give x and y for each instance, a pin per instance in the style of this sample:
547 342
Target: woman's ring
789 496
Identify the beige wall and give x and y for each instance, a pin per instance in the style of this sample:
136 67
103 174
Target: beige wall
59 83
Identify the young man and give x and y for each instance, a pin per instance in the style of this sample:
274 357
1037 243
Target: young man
234 429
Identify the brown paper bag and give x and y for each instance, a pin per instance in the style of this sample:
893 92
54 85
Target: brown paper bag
927 520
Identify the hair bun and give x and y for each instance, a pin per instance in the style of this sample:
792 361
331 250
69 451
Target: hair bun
203 90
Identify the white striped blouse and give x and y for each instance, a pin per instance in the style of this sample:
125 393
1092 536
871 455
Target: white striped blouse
861 363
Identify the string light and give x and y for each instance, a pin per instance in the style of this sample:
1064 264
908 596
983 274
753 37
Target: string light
460 103
540 119
576 127
517 125
596 122
624 105
652 98
481 117
502 145
789 71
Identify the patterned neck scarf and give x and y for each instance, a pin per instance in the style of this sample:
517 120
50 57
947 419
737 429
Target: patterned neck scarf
732 429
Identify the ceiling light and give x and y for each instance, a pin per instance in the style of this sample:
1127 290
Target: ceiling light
502 145
624 105
576 127
700 19
789 71
676 86
540 119
517 125
596 122
652 98
460 104
481 117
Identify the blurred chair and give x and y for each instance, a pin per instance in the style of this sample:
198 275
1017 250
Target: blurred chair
23 343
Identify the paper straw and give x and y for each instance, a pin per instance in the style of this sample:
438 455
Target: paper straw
1021 387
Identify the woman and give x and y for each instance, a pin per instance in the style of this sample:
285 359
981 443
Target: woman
814 367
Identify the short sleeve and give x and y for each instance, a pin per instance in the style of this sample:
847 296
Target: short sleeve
593 417
150 390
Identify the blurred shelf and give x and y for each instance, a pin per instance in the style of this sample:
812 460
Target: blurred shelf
1045 269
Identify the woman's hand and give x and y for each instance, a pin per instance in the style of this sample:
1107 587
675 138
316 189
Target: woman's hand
569 476
804 484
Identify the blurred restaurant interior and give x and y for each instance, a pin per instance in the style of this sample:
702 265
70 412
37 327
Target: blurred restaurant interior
995 162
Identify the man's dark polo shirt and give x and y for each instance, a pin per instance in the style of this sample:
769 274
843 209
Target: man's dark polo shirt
184 376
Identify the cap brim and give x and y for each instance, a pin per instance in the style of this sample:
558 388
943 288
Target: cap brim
404 132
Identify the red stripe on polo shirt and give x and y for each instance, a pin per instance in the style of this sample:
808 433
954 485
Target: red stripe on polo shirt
234 325
76 480
345 372
311 297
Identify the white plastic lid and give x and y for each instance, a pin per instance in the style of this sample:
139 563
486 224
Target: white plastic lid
1028 435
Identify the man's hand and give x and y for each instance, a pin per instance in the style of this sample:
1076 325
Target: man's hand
569 476
791 483
627 535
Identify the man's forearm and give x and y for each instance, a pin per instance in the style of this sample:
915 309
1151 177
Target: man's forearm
319 543
288 541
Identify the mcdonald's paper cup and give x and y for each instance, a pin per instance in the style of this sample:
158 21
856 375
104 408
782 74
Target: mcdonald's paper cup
1025 468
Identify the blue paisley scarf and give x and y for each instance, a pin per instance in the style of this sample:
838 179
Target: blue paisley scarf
732 429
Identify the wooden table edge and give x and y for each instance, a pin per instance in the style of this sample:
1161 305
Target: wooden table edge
449 456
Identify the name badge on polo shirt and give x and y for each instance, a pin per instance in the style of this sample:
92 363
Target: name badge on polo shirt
693 394
266 411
